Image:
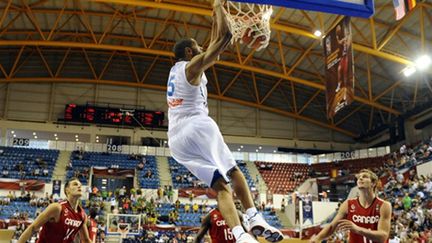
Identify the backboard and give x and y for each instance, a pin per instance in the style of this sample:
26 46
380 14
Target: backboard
355 8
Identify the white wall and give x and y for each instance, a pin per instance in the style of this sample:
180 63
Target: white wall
310 185
424 169
290 213
321 210
46 101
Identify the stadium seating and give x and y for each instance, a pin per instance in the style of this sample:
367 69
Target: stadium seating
282 178
244 169
7 211
30 159
179 171
94 159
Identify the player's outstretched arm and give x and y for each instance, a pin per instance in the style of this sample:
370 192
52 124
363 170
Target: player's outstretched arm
51 212
221 39
205 225
379 235
329 229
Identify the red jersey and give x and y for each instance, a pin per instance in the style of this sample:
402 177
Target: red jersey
66 228
364 217
92 229
219 230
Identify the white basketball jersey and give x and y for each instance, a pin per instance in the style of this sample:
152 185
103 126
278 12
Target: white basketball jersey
184 99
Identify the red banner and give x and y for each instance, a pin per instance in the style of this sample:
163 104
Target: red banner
197 192
339 65
113 172
29 185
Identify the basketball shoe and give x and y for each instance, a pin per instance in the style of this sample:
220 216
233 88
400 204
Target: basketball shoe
246 238
260 227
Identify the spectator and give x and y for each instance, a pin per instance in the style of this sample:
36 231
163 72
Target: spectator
36 172
407 201
5 172
195 208
187 208
283 203
140 165
148 174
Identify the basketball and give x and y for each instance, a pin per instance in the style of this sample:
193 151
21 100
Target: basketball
249 38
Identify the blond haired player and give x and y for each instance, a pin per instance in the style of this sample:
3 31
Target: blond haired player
367 217
62 221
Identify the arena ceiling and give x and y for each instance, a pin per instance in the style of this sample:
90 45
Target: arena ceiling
129 43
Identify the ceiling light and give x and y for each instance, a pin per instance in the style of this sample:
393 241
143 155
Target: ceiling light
14 135
34 134
35 137
423 62
77 139
408 71
256 150
97 137
274 151
76 136
56 138
55 134
241 146
238 149
259 147
12 132
97 141
317 33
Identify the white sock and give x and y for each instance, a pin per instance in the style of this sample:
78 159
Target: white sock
238 231
250 212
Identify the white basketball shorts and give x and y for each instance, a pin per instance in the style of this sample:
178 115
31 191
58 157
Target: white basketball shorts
198 144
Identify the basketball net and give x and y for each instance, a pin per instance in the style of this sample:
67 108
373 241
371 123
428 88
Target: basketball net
244 16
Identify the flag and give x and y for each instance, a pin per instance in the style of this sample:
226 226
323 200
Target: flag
399 6
403 6
410 4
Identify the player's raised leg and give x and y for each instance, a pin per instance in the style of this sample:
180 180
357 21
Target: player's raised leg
258 225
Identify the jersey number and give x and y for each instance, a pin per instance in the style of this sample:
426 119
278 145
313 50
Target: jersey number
365 240
228 234
69 232
171 86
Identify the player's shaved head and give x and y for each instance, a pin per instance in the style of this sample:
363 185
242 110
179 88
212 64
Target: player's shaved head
180 48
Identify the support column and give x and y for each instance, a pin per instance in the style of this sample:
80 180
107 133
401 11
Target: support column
3 136
6 102
258 123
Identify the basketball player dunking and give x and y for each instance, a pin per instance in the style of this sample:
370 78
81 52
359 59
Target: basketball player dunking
61 221
367 218
194 138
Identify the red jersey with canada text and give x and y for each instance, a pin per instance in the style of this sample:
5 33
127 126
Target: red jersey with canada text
367 218
65 230
219 230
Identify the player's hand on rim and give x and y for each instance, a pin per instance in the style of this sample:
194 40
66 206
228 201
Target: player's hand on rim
217 3
346 225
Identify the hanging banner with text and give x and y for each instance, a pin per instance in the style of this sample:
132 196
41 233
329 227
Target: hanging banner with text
56 187
339 65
